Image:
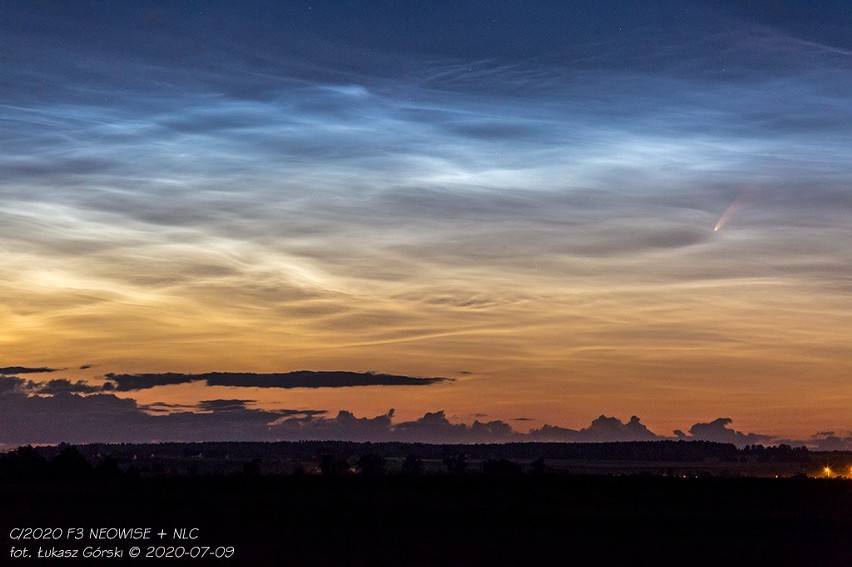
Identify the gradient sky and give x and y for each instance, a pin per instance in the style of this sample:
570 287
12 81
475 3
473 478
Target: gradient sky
519 197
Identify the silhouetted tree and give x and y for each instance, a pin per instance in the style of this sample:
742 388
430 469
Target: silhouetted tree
108 470
537 466
412 465
332 466
23 464
500 466
70 464
371 464
456 463
252 468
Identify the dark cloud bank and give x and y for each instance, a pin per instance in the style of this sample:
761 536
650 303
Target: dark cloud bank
11 370
61 410
298 379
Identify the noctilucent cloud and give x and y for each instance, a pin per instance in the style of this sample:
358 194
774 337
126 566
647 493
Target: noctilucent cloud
563 209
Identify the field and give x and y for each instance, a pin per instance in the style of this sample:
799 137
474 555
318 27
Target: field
445 519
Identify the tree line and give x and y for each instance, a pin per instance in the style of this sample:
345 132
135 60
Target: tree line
105 462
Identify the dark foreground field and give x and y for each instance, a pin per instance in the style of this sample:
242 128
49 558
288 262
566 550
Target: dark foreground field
447 520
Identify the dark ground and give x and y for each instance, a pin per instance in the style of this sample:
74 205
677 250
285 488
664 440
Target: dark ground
447 520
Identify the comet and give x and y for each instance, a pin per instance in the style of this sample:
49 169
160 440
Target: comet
732 209
740 202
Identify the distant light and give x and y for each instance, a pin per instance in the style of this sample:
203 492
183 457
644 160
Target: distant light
826 471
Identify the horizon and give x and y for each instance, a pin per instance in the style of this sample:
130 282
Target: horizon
375 218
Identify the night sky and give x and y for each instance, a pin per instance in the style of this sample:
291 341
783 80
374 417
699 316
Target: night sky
490 216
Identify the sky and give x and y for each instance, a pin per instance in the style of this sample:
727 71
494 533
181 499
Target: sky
534 218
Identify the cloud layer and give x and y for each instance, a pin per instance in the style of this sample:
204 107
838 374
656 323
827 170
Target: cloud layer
60 412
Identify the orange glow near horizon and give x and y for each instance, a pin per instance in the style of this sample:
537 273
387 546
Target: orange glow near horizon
670 353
